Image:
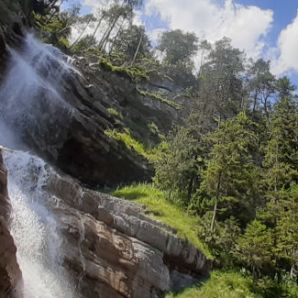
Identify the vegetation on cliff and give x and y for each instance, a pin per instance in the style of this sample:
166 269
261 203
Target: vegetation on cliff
226 179
185 225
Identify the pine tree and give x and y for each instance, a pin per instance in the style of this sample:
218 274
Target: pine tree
230 179
280 215
255 247
281 153
179 166
287 231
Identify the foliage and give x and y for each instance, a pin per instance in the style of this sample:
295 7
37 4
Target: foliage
162 210
160 98
261 86
222 241
255 247
178 46
84 44
132 73
281 153
133 44
55 30
132 144
221 89
230 179
221 285
232 284
179 165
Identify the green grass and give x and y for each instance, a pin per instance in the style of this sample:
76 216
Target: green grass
232 284
131 143
158 97
221 285
165 212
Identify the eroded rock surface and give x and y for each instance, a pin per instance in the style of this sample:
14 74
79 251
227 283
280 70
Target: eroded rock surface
10 275
108 246
114 250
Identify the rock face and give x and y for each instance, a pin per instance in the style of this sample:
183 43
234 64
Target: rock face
10 275
113 250
108 246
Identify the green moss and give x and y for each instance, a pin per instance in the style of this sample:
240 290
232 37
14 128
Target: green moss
158 97
131 143
132 73
221 285
113 112
164 211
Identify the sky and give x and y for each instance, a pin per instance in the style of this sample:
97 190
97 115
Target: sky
262 28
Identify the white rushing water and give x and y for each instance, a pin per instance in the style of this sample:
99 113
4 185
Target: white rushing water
31 88
35 230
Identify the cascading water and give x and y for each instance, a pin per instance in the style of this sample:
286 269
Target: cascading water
34 228
31 89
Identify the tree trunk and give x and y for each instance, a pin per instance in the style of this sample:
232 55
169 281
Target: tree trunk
105 38
116 36
255 102
189 189
81 34
276 162
98 25
137 50
216 203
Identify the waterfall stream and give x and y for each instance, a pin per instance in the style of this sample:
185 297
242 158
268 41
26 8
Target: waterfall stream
30 89
34 229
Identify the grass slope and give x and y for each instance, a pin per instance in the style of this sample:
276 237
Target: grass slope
220 285
163 211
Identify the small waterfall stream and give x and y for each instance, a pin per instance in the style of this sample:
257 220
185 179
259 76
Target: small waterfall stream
30 89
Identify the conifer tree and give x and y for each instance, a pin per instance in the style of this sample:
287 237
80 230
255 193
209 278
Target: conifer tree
255 247
230 179
179 167
281 153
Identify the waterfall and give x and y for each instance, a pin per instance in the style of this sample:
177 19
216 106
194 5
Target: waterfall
34 228
30 90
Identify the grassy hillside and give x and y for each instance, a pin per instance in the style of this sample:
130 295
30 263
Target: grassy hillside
221 284
162 210
235 285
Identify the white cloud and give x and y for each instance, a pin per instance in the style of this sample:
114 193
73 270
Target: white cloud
213 19
286 56
96 4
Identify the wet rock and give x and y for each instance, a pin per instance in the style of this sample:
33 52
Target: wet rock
112 249
10 274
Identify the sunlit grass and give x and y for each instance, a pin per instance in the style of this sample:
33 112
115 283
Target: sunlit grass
220 285
165 212
131 143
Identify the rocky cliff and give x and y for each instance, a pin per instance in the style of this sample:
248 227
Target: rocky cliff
114 250
108 246
10 274
79 125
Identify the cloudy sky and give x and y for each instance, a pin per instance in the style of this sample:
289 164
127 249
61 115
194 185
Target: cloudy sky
263 28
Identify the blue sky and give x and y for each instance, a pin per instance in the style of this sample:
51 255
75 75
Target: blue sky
284 12
262 28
